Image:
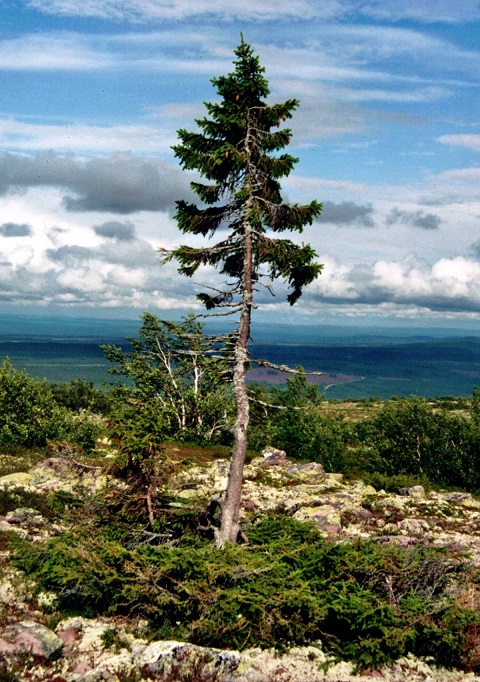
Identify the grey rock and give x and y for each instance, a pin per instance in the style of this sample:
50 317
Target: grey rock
172 659
33 638
415 491
25 516
273 457
20 479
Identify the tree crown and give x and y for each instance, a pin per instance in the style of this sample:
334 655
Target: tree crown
236 149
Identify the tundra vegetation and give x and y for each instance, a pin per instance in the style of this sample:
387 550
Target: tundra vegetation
135 550
131 548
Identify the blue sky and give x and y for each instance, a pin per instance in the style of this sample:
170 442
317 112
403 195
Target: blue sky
387 132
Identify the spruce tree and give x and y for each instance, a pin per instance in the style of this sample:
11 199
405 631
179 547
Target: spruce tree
237 151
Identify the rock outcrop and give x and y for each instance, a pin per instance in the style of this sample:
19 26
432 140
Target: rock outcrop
90 650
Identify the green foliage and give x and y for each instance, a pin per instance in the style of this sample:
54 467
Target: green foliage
111 638
290 419
236 151
30 415
365 602
178 376
50 506
14 459
407 441
395 482
408 437
6 672
81 429
476 406
78 395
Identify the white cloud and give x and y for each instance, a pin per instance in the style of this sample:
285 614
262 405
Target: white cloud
148 10
427 11
90 139
450 282
56 51
468 141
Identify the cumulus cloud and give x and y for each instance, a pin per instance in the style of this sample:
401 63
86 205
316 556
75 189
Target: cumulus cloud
346 213
121 183
425 221
131 253
70 254
121 270
450 284
15 230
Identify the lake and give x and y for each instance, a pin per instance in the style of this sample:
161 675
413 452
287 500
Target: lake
357 363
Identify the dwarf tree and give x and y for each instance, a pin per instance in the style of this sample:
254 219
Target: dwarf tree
237 150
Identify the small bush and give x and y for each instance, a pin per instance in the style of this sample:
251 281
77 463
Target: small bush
78 395
366 602
30 416
394 483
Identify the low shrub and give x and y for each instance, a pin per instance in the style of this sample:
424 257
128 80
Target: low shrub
394 483
366 602
30 416
78 395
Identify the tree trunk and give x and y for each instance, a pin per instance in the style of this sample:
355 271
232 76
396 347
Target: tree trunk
230 528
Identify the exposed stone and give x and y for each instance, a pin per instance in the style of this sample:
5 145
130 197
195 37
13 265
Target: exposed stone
356 514
463 499
416 491
81 668
273 457
415 527
326 518
61 473
308 473
342 509
6 527
88 632
6 648
33 638
20 478
25 516
178 660
391 502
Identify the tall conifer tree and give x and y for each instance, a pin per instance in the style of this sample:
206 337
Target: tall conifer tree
237 152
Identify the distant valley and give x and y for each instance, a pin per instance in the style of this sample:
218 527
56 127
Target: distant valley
357 363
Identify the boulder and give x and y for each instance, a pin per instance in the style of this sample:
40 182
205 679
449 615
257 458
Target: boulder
415 527
179 660
32 638
415 491
20 479
25 516
327 518
273 457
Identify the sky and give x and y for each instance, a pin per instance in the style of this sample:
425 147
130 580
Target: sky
387 135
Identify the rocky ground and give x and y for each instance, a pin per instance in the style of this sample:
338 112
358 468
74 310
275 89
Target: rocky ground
113 649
